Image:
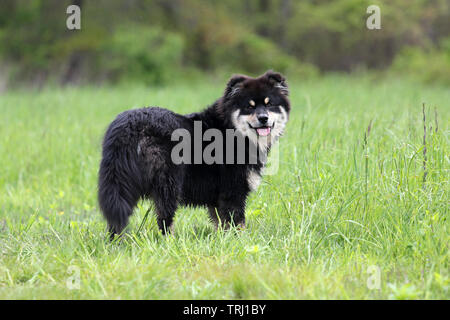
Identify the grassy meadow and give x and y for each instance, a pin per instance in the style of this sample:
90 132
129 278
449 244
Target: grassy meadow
348 215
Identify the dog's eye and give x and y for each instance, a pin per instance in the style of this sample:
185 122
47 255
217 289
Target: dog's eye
252 103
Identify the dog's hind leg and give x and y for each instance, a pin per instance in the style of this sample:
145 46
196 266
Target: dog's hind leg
230 211
164 179
165 210
214 215
166 202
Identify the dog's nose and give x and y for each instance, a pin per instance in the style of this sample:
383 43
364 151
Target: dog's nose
263 118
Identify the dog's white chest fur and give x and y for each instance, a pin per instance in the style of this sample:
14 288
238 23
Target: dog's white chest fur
253 179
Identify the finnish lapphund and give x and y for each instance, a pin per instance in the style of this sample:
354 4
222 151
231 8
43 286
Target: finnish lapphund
138 162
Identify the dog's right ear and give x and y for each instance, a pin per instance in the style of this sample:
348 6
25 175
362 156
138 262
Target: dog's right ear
234 85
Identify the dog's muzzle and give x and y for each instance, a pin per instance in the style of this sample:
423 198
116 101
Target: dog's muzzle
264 130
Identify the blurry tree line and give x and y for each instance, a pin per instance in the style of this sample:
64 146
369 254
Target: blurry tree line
152 40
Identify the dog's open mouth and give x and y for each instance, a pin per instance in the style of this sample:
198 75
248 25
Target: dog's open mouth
262 131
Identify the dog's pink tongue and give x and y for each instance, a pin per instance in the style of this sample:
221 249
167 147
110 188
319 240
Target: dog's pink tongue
263 131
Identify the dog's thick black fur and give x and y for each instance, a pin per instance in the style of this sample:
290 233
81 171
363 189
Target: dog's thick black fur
136 161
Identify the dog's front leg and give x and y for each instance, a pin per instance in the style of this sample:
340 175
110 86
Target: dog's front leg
230 211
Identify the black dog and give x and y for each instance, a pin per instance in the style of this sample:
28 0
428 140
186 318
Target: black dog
138 160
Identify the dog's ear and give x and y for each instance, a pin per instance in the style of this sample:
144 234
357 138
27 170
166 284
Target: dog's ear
234 85
277 80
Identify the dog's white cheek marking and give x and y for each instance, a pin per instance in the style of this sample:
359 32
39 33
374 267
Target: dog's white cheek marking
253 179
280 123
241 125
238 121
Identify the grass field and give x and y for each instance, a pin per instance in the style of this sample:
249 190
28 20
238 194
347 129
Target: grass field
339 215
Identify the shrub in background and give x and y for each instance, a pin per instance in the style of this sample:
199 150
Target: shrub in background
147 54
430 65
148 40
211 46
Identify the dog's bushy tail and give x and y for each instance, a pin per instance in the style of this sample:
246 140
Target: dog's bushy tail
119 175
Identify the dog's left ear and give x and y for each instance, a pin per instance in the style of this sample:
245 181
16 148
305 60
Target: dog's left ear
277 80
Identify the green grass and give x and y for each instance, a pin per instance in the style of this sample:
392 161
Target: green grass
334 209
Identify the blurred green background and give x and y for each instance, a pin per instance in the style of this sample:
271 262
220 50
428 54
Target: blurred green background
156 41
363 179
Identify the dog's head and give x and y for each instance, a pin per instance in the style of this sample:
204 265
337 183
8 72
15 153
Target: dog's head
257 107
